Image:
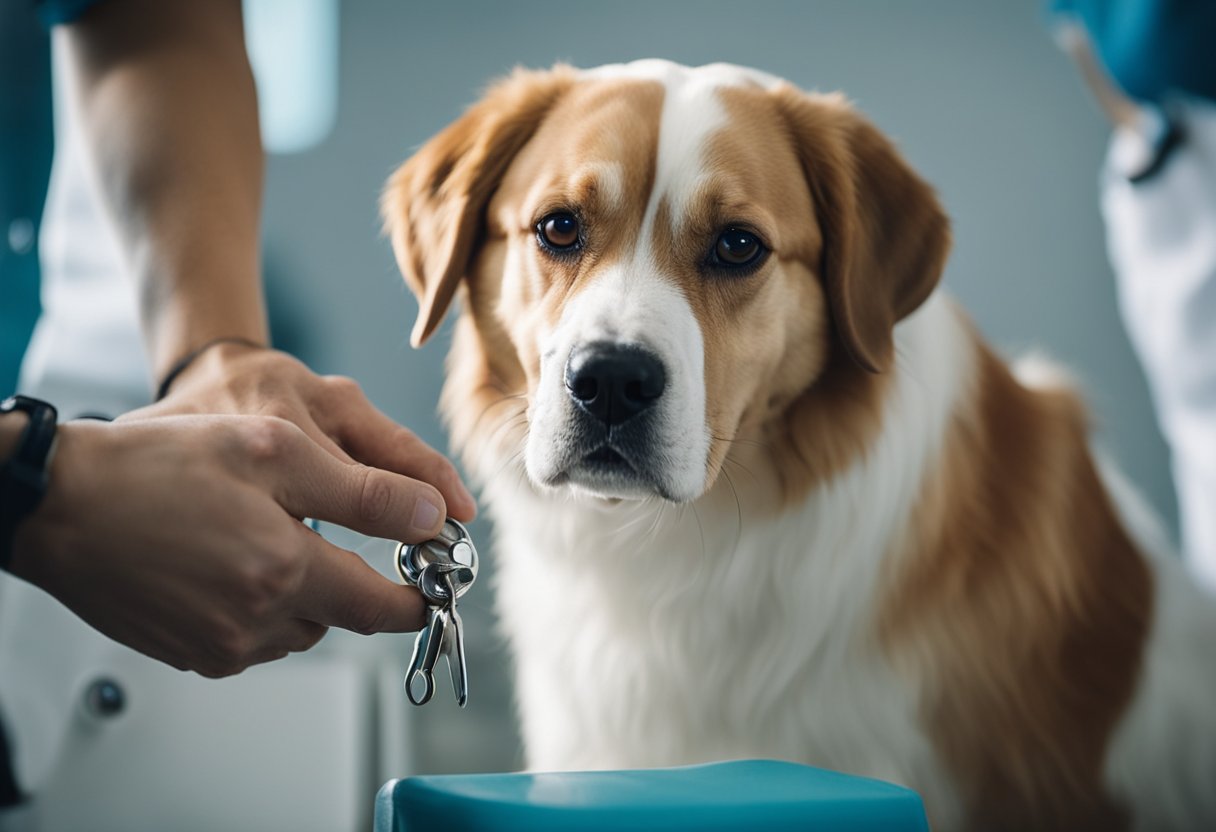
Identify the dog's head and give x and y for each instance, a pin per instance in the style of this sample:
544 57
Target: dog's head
656 258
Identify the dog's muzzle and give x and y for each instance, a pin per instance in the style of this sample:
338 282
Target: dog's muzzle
615 429
612 383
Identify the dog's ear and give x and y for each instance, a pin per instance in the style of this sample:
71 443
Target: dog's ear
433 205
885 234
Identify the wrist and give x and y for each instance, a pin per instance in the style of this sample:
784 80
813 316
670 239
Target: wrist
41 540
188 363
181 318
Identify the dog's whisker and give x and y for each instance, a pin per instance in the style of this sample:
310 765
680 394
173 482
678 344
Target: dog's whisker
738 440
700 531
503 399
641 514
653 532
492 441
732 461
512 461
738 513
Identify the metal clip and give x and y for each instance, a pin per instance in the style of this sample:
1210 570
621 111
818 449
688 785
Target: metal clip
443 569
427 647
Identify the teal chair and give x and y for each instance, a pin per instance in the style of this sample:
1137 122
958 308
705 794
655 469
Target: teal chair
746 794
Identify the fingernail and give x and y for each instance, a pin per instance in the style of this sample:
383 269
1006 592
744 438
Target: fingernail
426 515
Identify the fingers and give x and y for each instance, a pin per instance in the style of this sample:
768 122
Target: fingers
292 635
319 436
251 645
373 438
340 590
307 481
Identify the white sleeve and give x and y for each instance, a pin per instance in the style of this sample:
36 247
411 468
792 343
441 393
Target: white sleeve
1161 236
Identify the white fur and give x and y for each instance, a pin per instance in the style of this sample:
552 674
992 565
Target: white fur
692 112
635 625
1163 759
671 74
630 303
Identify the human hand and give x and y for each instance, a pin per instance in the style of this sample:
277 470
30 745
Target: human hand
179 537
333 411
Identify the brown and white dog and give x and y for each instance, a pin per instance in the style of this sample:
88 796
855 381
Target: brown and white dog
760 490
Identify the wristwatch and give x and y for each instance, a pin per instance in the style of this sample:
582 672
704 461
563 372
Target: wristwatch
25 474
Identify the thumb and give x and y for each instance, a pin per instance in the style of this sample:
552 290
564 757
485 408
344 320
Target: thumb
340 590
310 482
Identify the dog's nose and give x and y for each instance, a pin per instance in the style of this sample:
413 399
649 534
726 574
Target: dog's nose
614 382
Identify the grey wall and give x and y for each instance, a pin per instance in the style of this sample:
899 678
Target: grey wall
976 93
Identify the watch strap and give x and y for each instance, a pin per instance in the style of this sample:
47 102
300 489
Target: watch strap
25 474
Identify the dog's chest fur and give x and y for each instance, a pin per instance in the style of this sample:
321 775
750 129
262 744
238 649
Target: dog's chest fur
648 635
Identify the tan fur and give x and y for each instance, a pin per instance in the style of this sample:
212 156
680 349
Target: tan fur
863 241
433 204
1027 605
887 235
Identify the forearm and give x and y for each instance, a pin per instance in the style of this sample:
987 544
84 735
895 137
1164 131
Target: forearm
168 100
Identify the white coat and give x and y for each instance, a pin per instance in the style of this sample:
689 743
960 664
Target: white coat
1161 235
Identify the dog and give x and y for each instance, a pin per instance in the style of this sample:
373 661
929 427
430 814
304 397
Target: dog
760 489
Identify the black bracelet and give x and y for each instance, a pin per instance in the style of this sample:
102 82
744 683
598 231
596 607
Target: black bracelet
186 360
24 475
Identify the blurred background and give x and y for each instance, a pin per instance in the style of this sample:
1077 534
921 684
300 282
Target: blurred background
977 96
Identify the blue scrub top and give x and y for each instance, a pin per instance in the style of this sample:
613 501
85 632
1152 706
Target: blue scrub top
1152 48
26 145
25 165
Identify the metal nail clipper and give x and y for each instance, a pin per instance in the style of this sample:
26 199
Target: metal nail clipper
443 569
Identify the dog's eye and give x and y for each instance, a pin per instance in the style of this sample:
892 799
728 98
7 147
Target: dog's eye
736 248
558 232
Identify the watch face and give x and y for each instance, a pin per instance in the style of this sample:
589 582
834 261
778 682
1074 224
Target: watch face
27 404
